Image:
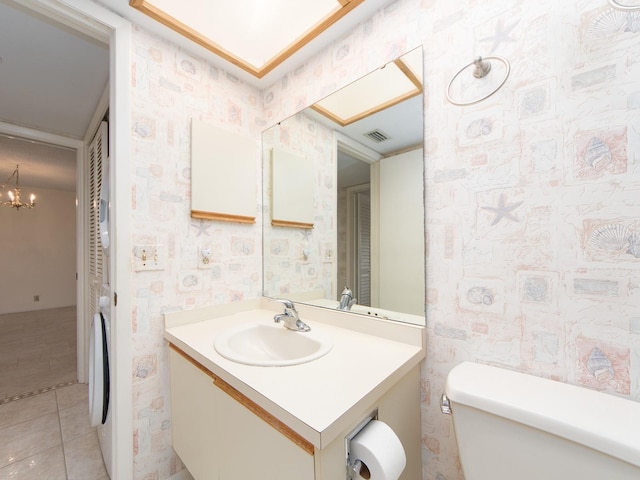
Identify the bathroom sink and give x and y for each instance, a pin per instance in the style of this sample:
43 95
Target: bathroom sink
271 345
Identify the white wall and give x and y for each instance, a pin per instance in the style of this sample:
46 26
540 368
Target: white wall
400 279
553 304
521 190
169 88
286 269
38 253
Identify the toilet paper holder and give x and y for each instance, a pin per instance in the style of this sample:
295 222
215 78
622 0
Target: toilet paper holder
354 466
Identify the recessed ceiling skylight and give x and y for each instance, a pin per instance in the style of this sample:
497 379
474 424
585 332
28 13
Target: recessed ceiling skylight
383 88
256 35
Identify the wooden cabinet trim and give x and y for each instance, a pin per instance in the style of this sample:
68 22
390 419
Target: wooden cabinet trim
224 217
287 223
250 404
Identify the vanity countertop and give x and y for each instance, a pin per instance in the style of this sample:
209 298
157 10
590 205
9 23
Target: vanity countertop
319 399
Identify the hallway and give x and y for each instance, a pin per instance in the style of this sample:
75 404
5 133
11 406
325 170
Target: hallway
44 413
37 350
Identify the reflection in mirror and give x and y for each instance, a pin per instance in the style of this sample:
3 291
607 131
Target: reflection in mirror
365 143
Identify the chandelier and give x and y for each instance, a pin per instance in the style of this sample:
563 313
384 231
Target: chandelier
14 193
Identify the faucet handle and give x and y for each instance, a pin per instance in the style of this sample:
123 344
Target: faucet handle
285 302
290 316
289 307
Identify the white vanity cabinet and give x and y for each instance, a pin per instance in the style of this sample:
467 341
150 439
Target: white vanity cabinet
193 412
218 437
232 421
225 436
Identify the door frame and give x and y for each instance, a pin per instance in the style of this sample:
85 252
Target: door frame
79 147
113 30
365 154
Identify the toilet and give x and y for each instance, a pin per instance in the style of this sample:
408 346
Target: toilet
510 425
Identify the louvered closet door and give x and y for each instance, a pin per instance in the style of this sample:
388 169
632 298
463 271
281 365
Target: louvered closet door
97 156
363 248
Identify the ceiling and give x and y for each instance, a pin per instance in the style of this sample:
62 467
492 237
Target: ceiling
51 80
382 111
402 124
41 165
258 41
52 77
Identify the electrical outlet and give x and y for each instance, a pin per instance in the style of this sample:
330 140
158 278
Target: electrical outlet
148 257
328 255
205 256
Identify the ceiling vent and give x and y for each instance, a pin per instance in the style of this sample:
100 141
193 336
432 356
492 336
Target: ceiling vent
377 136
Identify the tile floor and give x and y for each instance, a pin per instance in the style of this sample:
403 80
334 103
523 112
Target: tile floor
44 435
37 349
48 436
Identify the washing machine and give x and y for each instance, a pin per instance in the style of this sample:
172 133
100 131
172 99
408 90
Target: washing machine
100 383
100 338
99 380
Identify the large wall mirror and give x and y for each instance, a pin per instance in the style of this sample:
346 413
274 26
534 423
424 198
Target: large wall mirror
362 148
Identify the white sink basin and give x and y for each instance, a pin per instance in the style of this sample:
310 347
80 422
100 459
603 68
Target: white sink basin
271 345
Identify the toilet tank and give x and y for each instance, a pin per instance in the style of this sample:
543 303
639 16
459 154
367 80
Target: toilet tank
510 425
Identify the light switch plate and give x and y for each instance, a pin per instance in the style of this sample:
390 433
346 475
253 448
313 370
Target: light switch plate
148 257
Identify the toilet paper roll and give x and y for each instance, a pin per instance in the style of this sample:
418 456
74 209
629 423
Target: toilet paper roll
379 448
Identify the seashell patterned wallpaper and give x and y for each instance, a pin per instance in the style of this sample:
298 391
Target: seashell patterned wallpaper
169 88
293 258
533 197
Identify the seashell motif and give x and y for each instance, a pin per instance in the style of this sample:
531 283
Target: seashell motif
536 289
600 366
634 244
633 25
190 281
479 295
598 154
612 22
479 128
612 237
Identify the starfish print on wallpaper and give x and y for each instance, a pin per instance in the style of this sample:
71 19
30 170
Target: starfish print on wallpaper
202 227
502 34
503 211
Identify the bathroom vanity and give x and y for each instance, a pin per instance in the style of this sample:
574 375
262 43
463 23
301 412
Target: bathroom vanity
231 420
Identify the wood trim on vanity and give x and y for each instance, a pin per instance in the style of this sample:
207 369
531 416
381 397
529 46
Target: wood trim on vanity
264 415
249 404
200 367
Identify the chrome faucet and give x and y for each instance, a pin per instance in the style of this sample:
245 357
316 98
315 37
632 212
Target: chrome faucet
346 299
290 317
